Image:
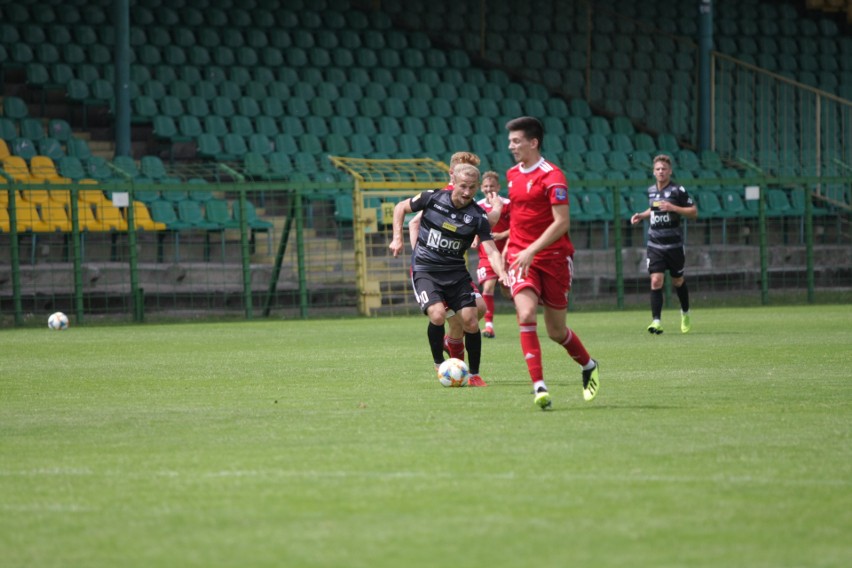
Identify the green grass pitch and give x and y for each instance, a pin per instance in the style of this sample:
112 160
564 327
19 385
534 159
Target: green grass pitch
331 444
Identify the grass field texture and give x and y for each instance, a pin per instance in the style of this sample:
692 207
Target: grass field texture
331 444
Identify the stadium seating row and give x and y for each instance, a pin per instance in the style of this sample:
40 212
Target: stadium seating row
43 211
40 169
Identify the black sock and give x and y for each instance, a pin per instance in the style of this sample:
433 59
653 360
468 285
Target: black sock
473 345
435 333
683 296
657 304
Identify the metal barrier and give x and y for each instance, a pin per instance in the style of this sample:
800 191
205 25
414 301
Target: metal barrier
313 249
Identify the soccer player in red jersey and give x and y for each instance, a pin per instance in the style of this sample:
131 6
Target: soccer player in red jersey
540 255
500 232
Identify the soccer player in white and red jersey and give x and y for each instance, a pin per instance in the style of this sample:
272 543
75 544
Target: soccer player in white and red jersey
540 255
499 231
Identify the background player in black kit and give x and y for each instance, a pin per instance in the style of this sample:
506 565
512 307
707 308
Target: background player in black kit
668 202
442 283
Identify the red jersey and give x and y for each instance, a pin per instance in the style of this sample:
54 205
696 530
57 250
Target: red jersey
533 193
502 223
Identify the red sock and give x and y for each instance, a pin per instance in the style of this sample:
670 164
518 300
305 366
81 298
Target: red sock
456 348
531 348
489 307
575 348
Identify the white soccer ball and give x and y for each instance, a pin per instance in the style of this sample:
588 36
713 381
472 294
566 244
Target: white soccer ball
57 321
453 373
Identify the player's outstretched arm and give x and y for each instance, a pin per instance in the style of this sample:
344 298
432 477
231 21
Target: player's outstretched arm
496 260
414 229
400 210
638 217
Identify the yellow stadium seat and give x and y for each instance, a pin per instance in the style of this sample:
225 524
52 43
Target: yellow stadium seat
17 169
55 216
109 217
37 196
29 219
86 218
142 218
43 170
91 196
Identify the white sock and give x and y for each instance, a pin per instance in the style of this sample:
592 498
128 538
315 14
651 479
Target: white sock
539 384
590 365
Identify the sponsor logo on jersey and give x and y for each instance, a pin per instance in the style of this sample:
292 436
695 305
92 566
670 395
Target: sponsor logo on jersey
438 241
449 226
660 218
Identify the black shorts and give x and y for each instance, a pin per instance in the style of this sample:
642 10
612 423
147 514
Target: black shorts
453 289
660 260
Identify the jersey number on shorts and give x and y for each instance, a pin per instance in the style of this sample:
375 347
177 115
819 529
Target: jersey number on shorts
513 279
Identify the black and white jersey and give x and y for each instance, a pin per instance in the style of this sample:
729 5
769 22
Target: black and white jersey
666 231
446 233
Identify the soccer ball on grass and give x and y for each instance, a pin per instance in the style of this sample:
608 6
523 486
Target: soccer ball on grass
57 321
453 373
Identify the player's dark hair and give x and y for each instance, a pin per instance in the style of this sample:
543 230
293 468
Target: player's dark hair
530 126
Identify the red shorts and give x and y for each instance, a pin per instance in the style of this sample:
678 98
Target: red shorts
484 272
550 279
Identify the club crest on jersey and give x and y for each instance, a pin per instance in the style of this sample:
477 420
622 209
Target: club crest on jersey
561 194
467 219
529 186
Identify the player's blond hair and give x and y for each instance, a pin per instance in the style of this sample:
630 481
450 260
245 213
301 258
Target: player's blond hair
465 170
464 158
491 174
663 158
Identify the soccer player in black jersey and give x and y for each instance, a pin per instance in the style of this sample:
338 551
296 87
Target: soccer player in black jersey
442 284
668 203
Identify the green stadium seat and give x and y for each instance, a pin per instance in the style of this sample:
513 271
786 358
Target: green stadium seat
619 161
576 142
15 108
337 144
598 143
191 213
253 221
31 128
260 143
50 147
595 161
667 142
280 165
8 129
72 168
217 212
620 142
164 212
